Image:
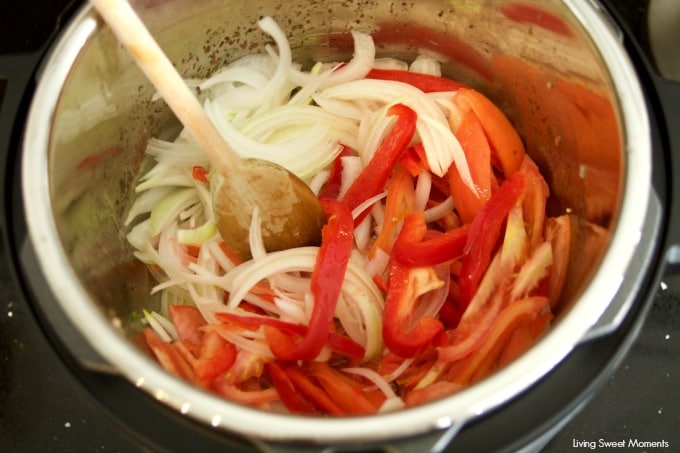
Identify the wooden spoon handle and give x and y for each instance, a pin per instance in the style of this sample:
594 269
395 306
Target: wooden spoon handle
146 52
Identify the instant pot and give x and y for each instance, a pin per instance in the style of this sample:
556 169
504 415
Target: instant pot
632 194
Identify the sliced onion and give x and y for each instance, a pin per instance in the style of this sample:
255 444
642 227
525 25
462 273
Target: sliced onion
441 146
438 211
351 168
375 378
157 326
356 68
425 65
422 192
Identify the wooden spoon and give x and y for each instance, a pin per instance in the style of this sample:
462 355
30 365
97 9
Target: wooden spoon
290 213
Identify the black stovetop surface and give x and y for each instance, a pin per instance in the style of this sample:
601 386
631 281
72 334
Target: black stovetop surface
43 407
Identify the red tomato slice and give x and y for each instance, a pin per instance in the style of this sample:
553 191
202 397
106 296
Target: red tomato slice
169 357
257 398
535 199
523 337
471 136
189 323
510 318
507 147
216 357
558 233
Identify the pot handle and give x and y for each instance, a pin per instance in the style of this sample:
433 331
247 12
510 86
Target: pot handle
435 441
668 92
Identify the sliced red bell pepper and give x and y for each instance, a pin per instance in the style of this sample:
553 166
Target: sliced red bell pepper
199 173
289 395
374 176
332 187
427 83
337 238
313 392
507 147
399 201
341 391
411 250
412 162
403 335
484 233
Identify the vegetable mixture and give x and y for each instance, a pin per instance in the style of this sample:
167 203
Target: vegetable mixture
437 265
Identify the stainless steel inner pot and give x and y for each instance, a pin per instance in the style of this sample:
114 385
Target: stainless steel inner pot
555 67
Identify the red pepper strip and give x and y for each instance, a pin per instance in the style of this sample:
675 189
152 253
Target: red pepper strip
289 395
427 83
374 176
332 187
399 202
410 160
345 395
336 342
404 288
410 249
337 238
313 392
199 173
484 233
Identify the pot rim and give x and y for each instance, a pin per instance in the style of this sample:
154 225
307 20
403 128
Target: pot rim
447 412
